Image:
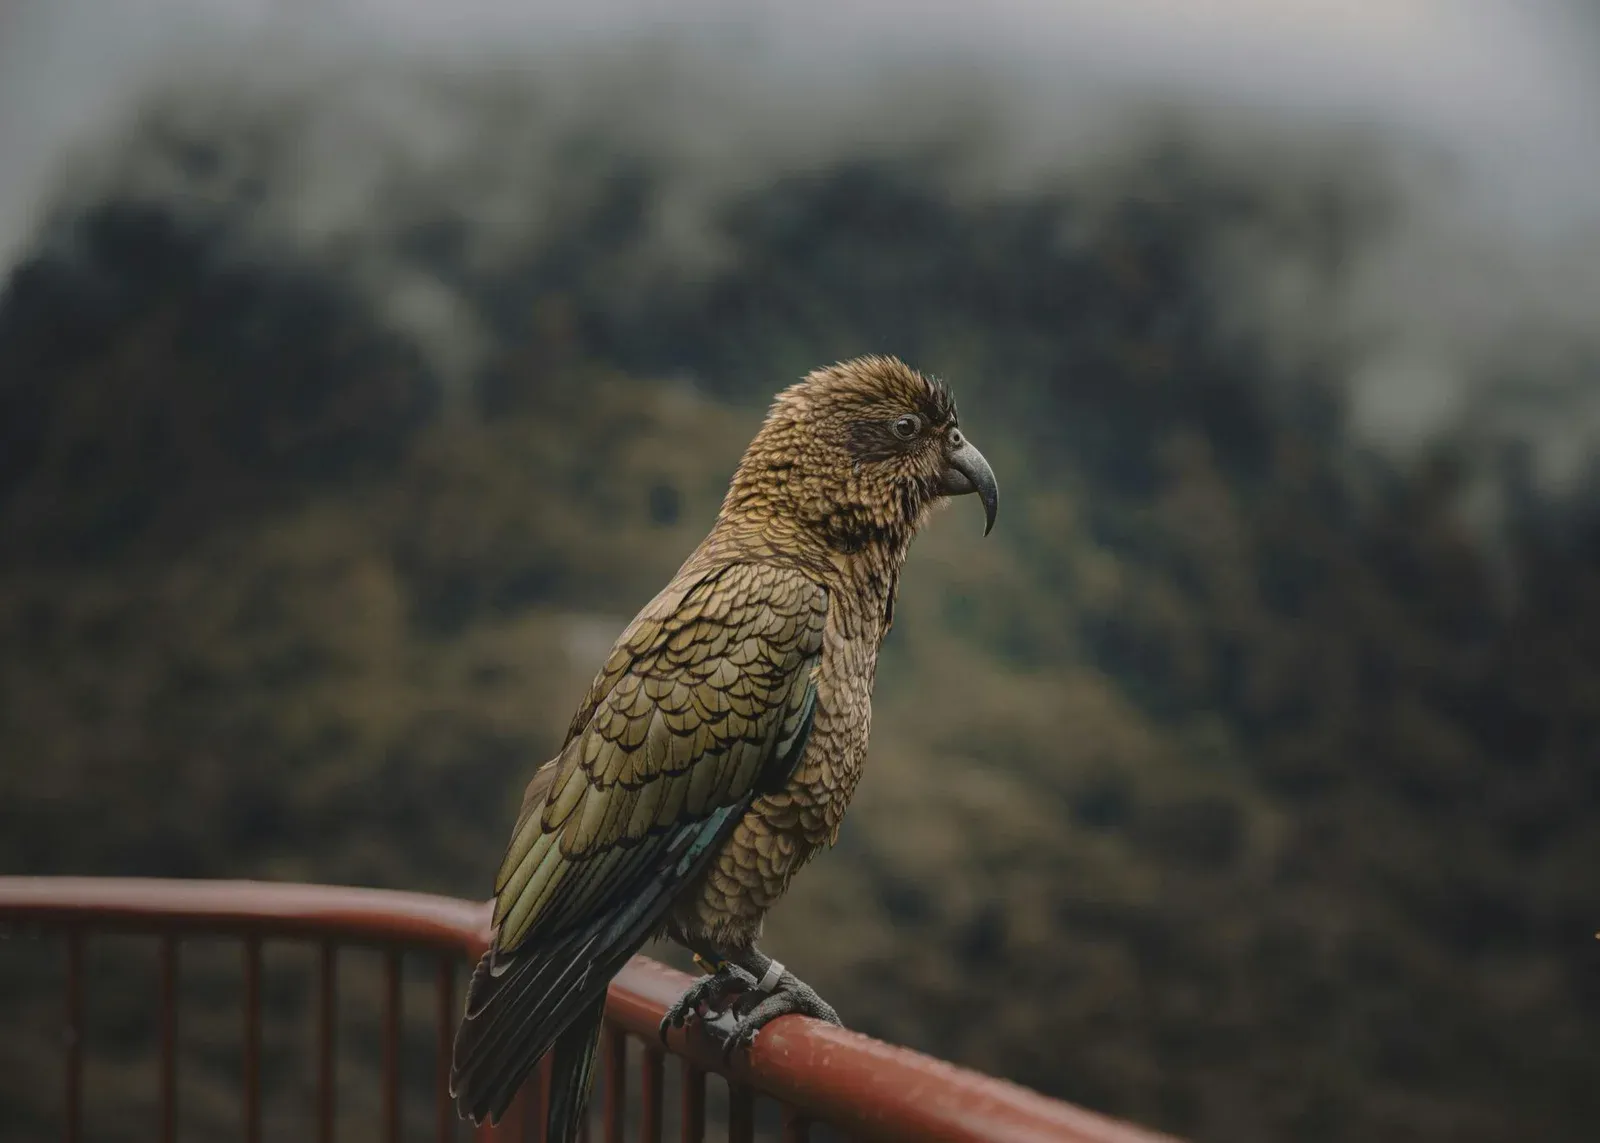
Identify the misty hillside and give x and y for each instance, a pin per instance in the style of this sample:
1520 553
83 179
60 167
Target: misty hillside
1234 785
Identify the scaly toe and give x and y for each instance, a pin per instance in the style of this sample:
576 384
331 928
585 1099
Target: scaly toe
712 992
791 997
685 1004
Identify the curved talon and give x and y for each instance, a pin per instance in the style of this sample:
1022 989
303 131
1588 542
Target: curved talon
790 997
711 991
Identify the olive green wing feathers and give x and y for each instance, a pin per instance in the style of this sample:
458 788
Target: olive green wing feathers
704 704
697 703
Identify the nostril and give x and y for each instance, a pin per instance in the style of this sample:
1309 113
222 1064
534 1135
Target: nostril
955 437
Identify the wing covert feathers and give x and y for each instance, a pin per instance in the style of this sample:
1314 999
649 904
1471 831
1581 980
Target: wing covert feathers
704 704
685 726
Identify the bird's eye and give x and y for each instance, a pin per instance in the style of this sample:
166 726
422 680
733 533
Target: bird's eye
907 426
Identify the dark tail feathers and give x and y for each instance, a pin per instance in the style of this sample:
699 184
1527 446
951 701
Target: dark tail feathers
485 1087
572 1074
534 1004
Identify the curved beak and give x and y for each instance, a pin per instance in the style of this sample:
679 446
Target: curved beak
966 471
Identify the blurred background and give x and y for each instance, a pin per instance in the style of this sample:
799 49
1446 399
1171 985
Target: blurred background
364 366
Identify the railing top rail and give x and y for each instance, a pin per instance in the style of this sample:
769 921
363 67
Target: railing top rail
864 1086
383 916
869 1088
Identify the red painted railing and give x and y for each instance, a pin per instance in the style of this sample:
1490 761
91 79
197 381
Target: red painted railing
816 1073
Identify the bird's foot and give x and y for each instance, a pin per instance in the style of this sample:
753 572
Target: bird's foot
715 991
786 995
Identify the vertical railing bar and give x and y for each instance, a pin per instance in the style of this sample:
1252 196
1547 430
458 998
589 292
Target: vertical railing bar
615 1048
252 1039
167 998
75 1036
694 1104
524 1127
651 1070
540 1100
326 1015
796 1127
524 1121
536 1101
445 989
741 1114
392 1014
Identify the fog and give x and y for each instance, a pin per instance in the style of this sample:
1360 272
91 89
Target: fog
1472 317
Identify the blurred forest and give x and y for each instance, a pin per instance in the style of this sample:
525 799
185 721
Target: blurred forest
1233 785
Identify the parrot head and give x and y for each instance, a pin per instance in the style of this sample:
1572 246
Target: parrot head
860 453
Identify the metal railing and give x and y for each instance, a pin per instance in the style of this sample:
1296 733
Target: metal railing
815 1073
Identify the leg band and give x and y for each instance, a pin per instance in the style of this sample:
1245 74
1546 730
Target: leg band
769 979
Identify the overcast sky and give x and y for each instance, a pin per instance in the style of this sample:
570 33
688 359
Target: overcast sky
1500 99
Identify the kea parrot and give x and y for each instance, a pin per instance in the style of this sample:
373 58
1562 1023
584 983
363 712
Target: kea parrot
719 745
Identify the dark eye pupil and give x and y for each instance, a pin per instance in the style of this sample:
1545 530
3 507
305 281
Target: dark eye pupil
906 427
